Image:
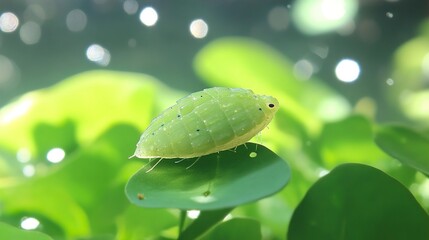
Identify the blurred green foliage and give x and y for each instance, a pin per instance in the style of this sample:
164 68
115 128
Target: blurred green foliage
9 232
96 118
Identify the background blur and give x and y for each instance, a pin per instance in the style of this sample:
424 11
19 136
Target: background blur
45 41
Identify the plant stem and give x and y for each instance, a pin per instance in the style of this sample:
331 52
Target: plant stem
182 221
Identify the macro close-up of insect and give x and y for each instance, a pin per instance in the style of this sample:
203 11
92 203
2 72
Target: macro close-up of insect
206 122
199 120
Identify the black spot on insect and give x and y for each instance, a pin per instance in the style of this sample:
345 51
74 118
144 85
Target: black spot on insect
162 125
201 96
153 133
260 109
178 115
270 105
198 130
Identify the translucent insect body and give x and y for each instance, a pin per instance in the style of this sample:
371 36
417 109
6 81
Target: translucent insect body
206 122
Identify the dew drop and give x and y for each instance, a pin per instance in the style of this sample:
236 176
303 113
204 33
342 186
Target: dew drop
29 223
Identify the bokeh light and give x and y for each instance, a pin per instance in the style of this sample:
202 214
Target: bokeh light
55 155
98 54
131 6
29 223
76 20
28 170
415 104
30 33
321 51
149 16
333 10
35 12
303 69
9 73
23 155
278 18
9 22
199 28
316 17
347 70
132 42
333 109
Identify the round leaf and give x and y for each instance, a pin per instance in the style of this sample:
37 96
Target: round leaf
220 180
356 201
406 145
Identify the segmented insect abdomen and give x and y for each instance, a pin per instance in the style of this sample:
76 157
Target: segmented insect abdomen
204 122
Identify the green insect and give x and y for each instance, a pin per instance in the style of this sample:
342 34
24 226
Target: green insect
206 122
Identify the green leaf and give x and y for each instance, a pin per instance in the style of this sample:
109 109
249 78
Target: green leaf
138 223
9 232
349 140
216 181
408 146
236 228
88 101
356 201
205 221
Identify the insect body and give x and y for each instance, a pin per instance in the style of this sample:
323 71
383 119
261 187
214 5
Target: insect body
206 122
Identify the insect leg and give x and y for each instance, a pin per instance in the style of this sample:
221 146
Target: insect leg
259 137
193 163
233 150
179 161
209 187
150 169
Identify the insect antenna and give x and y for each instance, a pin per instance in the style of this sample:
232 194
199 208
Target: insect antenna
193 163
150 169
132 156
